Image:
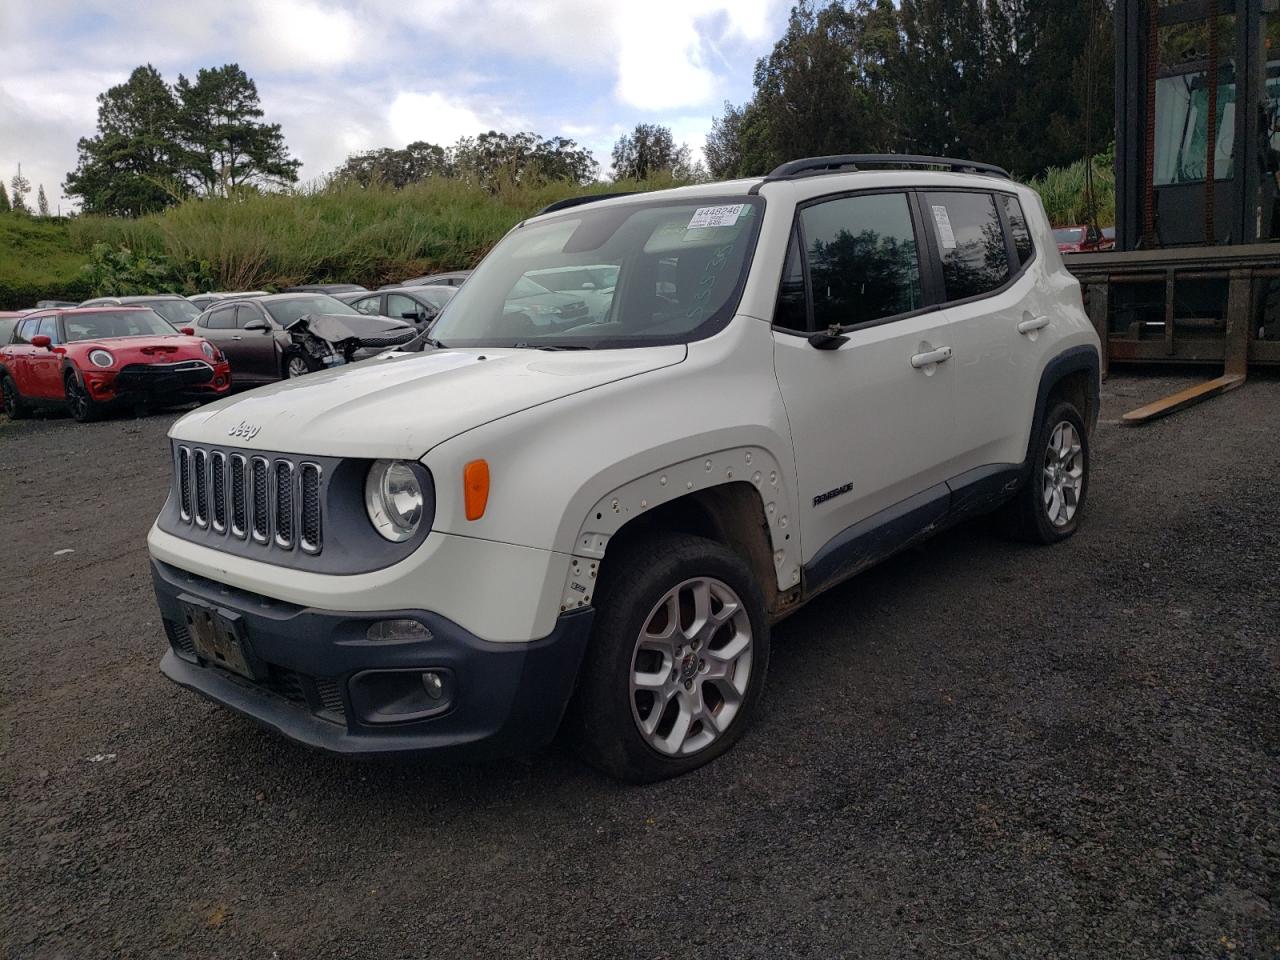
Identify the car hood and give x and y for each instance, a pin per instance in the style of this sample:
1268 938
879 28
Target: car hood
158 349
401 407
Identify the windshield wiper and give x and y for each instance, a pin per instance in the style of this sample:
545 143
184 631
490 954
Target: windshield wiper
553 346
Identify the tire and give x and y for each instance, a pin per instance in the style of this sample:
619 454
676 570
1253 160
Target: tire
82 406
652 587
1048 507
293 363
15 407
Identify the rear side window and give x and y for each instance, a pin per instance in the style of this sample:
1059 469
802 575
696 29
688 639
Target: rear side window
223 318
1018 227
26 330
970 241
862 259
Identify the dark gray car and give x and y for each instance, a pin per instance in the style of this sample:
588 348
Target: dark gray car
253 335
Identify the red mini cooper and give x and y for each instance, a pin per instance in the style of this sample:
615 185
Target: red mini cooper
91 358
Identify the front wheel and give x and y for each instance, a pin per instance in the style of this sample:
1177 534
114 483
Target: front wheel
676 662
1048 507
82 406
298 364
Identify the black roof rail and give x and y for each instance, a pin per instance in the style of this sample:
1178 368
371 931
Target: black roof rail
579 201
813 166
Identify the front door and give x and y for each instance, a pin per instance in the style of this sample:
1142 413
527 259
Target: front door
872 421
44 365
257 347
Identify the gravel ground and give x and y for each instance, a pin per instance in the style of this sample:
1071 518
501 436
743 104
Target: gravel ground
978 749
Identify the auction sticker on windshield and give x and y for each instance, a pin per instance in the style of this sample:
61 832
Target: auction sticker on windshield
715 216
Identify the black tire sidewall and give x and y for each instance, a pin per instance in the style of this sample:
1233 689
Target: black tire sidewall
1045 530
71 381
603 721
17 409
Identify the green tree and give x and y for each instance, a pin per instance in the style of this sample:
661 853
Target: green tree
493 158
42 202
225 144
20 186
134 164
650 149
4 199
395 168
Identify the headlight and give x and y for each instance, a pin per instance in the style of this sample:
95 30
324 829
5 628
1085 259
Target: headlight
393 496
207 349
100 358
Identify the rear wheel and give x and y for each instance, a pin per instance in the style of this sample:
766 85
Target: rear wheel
677 659
14 405
82 406
1047 509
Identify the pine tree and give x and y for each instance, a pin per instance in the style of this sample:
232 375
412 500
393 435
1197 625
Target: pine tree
4 198
20 186
42 202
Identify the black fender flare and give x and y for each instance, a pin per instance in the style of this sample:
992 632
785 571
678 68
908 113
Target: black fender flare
1069 361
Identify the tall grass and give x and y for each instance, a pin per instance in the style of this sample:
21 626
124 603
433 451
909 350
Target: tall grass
1065 197
341 232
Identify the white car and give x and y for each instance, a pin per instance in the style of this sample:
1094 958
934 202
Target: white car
590 525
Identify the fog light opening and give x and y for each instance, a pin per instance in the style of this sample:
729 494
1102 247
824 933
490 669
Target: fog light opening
393 630
433 683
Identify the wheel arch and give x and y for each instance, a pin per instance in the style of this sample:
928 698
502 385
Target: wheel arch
1072 375
736 497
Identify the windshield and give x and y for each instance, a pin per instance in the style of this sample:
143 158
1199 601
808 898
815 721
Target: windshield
1068 234
284 312
116 323
180 313
677 271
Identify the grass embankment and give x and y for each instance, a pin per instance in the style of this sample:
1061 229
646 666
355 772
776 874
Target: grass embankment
339 233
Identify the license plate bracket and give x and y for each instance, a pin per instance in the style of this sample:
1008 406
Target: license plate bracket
219 637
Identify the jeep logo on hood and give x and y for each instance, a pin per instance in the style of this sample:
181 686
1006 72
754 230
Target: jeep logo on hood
246 430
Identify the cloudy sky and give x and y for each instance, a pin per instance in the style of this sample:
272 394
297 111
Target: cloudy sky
348 75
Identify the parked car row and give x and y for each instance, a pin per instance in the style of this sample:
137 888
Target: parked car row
164 348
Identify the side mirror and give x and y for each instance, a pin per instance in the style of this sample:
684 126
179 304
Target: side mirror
257 325
187 331
412 315
40 340
829 339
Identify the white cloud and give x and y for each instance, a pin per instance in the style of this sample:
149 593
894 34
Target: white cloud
298 36
435 118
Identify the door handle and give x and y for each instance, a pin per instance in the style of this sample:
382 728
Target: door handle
940 355
237 338
1033 324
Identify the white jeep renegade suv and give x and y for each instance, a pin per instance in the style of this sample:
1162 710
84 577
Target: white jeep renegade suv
548 518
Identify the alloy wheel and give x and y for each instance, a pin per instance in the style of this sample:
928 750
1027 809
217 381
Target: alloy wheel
297 367
77 400
691 666
1063 474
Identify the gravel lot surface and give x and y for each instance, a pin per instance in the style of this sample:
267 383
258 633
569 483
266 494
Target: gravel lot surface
978 749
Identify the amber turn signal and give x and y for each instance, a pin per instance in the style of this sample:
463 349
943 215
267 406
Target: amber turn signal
475 488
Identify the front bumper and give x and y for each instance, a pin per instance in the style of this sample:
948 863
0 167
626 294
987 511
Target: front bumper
187 379
318 678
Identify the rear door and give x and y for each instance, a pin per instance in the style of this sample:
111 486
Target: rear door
872 419
18 351
998 313
218 326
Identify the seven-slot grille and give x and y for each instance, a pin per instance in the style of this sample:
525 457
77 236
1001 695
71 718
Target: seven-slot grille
274 502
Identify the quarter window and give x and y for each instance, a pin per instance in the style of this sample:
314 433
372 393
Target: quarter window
1018 227
791 311
862 259
970 241
26 330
